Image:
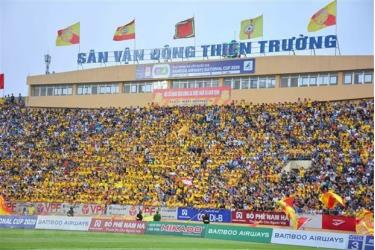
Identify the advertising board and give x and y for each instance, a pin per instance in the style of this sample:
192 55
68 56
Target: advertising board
117 226
251 234
18 221
312 239
176 229
193 214
63 223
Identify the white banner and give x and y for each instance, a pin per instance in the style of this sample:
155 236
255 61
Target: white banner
168 213
118 210
315 220
312 239
131 211
63 223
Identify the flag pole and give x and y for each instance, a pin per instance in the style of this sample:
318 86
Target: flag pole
194 31
134 42
337 38
79 51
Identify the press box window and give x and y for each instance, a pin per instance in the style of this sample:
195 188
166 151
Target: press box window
294 81
368 77
348 78
262 82
254 83
333 80
284 82
358 77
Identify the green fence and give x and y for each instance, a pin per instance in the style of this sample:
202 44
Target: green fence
239 233
176 229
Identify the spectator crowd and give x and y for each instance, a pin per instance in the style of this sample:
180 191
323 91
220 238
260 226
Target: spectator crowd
230 156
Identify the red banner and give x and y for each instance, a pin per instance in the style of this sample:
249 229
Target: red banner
262 218
193 96
117 226
333 222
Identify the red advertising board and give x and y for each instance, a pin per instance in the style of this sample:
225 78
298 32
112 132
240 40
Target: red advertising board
333 222
117 226
192 96
262 218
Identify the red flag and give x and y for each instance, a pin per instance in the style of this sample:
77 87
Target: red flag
185 29
289 201
1 81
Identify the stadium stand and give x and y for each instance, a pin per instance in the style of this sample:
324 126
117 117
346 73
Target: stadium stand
219 156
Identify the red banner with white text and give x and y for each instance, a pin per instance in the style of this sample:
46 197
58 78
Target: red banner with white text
192 96
261 218
117 226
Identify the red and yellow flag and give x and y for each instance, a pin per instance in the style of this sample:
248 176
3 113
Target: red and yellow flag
365 222
68 36
4 210
125 32
330 199
287 205
323 18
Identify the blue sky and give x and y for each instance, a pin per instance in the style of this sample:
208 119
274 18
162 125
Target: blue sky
28 27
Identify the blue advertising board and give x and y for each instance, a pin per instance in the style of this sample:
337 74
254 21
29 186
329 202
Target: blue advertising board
18 221
369 243
193 69
355 242
360 242
193 214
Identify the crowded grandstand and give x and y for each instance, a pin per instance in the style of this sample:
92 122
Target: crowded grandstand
231 156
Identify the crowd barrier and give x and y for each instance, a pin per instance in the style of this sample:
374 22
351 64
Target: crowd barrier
129 212
210 231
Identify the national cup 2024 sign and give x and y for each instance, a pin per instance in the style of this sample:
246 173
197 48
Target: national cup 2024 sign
194 69
232 49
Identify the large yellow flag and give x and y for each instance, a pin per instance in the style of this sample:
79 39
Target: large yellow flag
4 210
287 205
68 36
365 222
251 28
323 18
330 199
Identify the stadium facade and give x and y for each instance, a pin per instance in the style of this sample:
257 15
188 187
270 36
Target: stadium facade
267 79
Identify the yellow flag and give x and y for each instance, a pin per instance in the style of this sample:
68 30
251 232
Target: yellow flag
69 35
323 18
251 28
